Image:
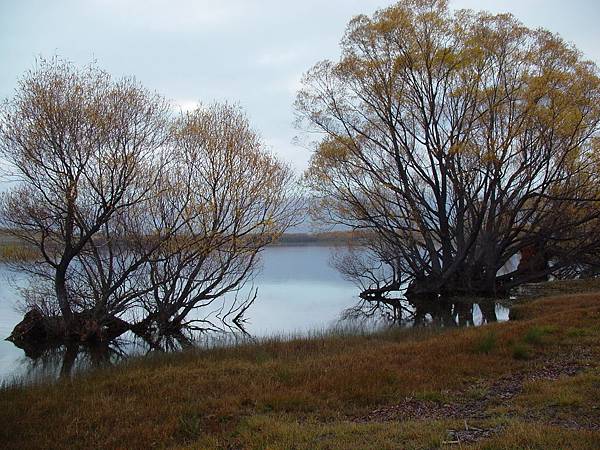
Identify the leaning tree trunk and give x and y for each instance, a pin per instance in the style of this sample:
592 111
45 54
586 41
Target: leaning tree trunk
60 287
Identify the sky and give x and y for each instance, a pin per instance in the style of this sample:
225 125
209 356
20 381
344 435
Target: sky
251 52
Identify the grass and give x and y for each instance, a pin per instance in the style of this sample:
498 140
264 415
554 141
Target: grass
536 335
15 252
486 343
521 352
306 393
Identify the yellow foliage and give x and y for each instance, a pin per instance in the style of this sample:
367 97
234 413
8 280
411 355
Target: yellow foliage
334 149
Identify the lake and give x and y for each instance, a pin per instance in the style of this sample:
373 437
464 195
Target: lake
298 292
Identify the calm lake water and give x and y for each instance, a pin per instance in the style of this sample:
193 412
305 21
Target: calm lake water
298 292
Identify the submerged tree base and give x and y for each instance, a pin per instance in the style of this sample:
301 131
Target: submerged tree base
38 334
39 330
434 290
34 333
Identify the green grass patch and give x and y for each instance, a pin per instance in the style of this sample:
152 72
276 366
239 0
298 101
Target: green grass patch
578 332
521 352
536 335
431 396
486 343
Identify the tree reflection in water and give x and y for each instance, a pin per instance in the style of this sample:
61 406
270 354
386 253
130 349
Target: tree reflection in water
60 361
424 312
65 360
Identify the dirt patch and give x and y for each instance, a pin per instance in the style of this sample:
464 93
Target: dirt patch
470 434
413 409
502 390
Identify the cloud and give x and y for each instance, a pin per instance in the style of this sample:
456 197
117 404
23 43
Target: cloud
173 16
278 58
284 147
186 105
294 84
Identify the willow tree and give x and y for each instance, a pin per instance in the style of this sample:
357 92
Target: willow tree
234 199
139 218
81 148
459 141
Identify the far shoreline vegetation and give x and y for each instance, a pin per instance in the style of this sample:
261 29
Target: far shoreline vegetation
12 248
327 238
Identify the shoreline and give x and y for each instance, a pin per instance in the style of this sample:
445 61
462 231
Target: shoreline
528 382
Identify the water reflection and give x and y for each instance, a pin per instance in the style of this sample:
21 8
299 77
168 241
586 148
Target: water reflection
299 294
53 362
439 312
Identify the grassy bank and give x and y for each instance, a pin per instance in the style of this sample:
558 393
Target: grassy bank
530 383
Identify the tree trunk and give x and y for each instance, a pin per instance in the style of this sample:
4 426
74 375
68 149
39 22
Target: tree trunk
60 287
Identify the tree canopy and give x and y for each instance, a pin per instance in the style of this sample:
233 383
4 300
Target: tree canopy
460 141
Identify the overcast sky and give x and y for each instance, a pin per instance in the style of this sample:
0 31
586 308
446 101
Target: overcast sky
252 52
